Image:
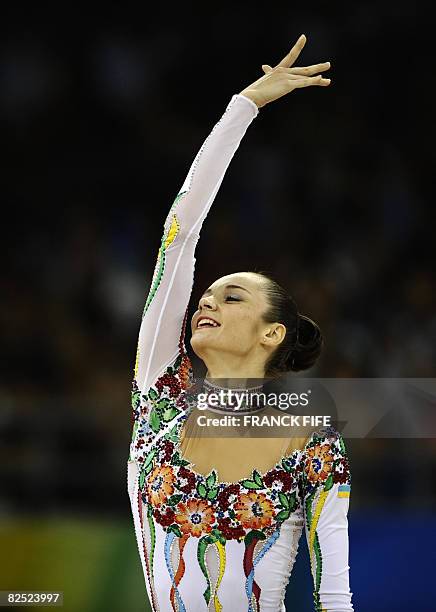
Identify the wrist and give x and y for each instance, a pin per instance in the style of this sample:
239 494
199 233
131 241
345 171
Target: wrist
251 95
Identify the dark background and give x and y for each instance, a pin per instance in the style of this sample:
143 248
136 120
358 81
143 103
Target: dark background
102 112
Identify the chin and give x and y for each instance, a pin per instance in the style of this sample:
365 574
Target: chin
201 345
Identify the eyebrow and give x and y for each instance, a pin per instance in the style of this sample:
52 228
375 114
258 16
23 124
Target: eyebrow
209 291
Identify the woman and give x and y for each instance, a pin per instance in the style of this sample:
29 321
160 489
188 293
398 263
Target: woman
224 535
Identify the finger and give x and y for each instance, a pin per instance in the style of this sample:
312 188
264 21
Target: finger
290 58
309 70
266 68
318 80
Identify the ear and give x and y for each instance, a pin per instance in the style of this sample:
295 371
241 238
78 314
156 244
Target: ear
274 334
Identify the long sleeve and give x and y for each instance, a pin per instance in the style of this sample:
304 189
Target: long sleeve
161 334
326 485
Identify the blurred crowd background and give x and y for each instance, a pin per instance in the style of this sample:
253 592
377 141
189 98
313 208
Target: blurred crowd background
102 113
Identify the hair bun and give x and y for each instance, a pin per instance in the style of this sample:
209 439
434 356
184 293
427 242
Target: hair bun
308 345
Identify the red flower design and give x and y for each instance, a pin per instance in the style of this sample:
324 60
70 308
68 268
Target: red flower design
342 471
166 518
168 448
229 531
187 475
279 476
225 495
170 381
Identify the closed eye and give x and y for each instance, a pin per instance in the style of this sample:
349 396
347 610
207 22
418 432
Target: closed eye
233 298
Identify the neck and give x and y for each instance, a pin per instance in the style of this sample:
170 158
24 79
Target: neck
237 368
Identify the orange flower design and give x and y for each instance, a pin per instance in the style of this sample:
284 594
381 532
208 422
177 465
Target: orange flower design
184 371
319 463
254 510
195 517
160 484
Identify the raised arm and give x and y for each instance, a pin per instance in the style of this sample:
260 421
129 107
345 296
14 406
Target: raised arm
327 483
162 326
161 335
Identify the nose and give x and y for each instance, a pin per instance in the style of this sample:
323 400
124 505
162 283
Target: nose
207 302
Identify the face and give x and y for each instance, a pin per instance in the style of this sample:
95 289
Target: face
234 305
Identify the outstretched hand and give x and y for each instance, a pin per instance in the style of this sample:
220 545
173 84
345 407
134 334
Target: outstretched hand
282 79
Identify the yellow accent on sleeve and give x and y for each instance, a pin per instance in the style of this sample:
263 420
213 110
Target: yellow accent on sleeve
172 232
316 515
136 361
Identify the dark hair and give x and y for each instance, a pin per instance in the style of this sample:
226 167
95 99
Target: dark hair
303 341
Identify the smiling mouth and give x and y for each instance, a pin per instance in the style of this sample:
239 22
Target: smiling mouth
206 323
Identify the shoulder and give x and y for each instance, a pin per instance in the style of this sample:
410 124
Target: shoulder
325 436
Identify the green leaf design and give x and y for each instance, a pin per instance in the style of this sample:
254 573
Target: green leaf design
231 513
174 499
142 479
211 479
292 501
219 536
201 490
135 429
153 394
286 465
176 459
257 478
250 484
162 404
178 362
328 483
149 458
342 445
212 493
154 420
148 469
169 370
283 515
309 502
172 434
254 534
136 399
169 414
284 500
175 529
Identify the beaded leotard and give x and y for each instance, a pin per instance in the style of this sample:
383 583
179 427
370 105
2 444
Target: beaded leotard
204 543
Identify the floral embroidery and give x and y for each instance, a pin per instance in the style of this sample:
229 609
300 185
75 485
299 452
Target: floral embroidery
231 529
195 517
186 480
160 484
319 464
164 518
190 503
254 510
228 495
152 411
342 471
279 480
187 503
326 464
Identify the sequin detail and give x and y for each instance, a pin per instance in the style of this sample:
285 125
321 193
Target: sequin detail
325 465
167 239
